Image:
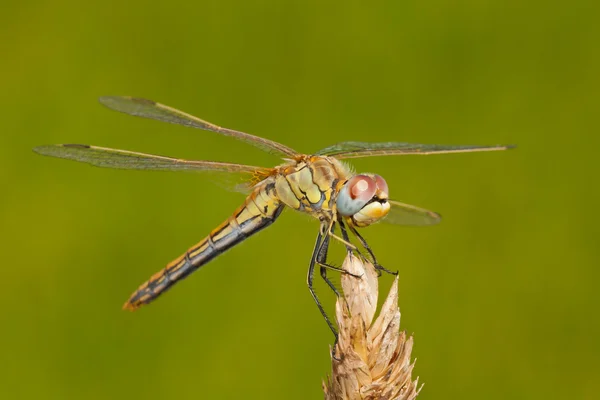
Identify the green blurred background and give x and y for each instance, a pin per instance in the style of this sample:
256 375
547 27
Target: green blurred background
502 296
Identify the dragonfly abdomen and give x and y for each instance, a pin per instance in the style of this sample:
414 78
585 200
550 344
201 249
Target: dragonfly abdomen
260 210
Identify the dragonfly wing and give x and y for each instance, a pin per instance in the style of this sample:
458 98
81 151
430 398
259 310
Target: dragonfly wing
124 159
365 149
406 214
150 109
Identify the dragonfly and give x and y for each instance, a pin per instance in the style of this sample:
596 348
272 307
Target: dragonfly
320 184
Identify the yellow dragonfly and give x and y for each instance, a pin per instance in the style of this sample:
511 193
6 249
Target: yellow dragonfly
318 184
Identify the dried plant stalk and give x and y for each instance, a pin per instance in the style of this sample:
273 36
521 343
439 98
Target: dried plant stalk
373 358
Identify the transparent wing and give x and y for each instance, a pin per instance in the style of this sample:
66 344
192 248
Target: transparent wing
406 214
364 149
150 109
239 177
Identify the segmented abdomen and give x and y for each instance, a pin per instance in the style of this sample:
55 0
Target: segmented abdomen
259 210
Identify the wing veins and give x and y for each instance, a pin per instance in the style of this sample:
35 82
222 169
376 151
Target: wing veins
150 109
123 159
346 150
407 214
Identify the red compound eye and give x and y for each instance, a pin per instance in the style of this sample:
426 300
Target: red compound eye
381 184
362 187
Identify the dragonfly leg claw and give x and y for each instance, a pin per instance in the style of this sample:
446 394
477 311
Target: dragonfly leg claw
378 267
334 351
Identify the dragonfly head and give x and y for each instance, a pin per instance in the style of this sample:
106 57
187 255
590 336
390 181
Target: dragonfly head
364 198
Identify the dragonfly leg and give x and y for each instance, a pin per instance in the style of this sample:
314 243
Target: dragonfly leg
347 239
322 261
364 243
345 236
320 251
347 243
319 246
349 246
334 268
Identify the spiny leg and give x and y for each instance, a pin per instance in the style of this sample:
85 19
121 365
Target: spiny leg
346 243
364 243
322 257
347 238
322 261
338 269
310 277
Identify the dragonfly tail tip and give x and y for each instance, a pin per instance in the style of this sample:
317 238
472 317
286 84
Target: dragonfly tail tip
129 306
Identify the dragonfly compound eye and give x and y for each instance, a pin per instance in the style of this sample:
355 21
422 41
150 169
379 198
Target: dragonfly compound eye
382 187
355 194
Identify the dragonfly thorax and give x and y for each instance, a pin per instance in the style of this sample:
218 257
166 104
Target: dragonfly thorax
310 184
364 198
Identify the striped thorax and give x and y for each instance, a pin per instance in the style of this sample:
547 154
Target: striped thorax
310 185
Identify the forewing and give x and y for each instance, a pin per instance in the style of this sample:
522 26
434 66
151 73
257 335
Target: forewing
150 109
406 214
364 149
124 159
